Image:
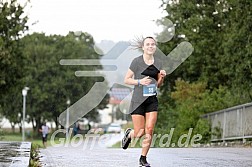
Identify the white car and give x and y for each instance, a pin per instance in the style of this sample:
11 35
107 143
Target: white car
114 128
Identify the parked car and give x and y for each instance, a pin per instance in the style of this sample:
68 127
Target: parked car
114 128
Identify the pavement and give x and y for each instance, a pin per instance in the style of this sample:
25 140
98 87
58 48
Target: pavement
14 154
96 152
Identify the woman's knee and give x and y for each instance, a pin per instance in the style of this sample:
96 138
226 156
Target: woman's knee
149 129
139 133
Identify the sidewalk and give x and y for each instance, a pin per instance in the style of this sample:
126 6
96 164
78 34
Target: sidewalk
14 154
98 155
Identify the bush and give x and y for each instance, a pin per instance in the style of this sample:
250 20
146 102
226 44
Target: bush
1 134
203 127
34 160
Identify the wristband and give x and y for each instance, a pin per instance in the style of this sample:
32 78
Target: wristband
138 82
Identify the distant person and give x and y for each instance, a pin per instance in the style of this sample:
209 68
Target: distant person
44 130
76 128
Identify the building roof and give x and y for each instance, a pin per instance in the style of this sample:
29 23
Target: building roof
118 94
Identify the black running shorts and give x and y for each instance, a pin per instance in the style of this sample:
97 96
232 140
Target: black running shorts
149 105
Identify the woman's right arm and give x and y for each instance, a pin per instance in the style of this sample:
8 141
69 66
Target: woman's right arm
129 78
130 81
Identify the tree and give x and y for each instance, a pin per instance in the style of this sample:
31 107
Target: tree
219 48
192 100
51 83
196 22
238 46
12 107
220 34
12 25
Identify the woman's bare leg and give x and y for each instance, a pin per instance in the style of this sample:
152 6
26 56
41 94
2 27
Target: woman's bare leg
150 118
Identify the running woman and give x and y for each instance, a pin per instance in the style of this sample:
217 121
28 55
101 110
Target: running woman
146 75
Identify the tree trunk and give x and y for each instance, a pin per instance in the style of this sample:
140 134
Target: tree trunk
33 124
13 127
20 127
38 125
56 124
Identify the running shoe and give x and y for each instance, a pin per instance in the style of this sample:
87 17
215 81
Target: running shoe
126 139
143 163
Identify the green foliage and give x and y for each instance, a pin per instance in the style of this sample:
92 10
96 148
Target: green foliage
191 101
217 131
218 73
1 134
34 157
1 130
222 54
50 83
167 119
238 47
12 25
12 105
203 127
188 99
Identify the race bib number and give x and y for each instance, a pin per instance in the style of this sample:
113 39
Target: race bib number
149 90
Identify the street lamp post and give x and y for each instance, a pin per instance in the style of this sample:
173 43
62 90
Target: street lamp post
67 118
24 93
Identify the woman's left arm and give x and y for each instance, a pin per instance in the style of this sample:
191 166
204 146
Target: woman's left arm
161 76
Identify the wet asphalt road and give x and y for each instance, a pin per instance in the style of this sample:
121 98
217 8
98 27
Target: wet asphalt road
95 153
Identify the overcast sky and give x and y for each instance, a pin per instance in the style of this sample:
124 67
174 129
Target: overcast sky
104 19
